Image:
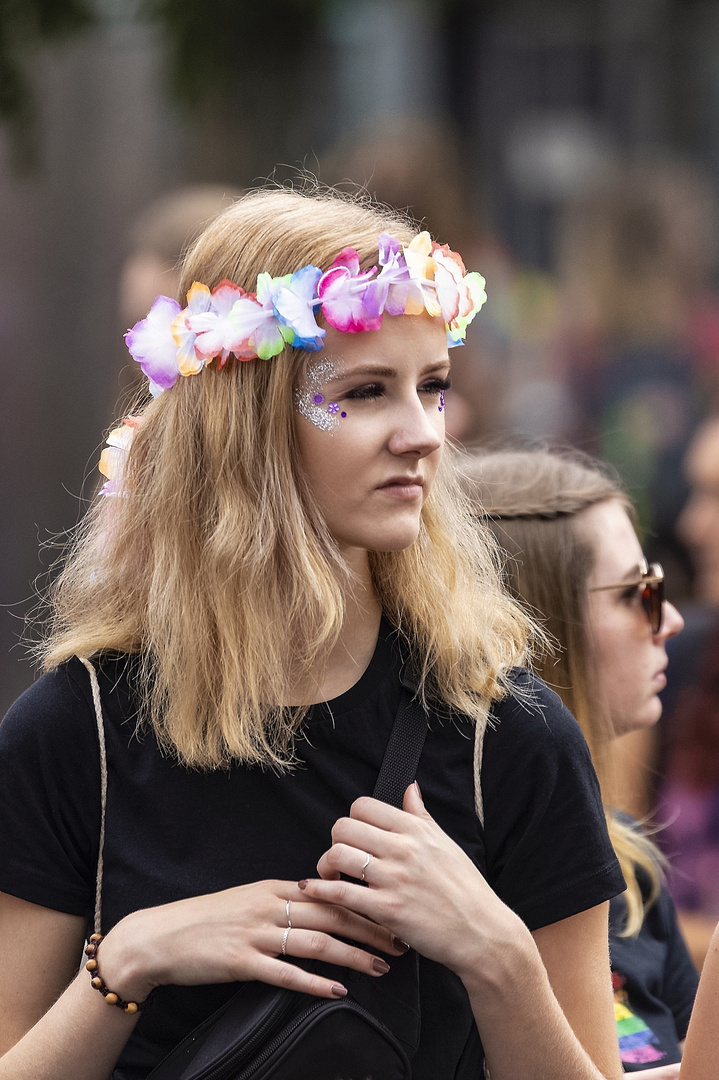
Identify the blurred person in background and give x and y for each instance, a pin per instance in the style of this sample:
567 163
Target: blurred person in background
688 754
576 562
635 260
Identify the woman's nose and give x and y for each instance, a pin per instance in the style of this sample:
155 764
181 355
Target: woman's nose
672 622
419 430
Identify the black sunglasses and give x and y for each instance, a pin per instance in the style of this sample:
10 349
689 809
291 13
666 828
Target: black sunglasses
652 595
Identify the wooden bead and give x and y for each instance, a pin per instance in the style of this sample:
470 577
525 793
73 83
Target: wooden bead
98 983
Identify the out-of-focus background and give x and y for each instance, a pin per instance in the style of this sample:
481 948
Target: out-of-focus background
568 149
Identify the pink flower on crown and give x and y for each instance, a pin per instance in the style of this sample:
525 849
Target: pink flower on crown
448 278
215 332
152 345
341 290
474 283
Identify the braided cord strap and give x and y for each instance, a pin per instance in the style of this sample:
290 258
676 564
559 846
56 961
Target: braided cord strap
97 921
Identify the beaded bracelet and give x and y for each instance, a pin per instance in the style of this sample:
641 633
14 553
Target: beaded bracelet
98 983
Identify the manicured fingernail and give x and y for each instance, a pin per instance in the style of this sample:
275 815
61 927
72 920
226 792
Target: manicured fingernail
400 945
302 885
419 790
380 966
339 991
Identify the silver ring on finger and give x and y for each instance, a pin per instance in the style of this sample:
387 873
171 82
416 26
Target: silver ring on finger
287 910
366 864
284 940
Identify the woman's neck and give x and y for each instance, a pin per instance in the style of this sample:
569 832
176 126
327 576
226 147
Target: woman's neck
349 658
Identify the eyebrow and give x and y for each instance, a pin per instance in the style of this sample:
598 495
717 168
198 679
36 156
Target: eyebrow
635 572
382 372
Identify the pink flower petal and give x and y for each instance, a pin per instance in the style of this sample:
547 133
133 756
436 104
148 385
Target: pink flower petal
342 300
214 334
348 257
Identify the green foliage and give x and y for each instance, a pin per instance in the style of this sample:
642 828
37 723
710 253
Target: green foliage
23 25
212 41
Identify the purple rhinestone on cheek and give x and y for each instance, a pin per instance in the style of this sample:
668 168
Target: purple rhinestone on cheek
343 415
440 407
318 399
333 407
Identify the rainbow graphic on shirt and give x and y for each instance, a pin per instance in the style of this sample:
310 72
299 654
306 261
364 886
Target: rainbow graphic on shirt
638 1045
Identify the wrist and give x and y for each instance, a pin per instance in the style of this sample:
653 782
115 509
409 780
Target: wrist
494 965
123 962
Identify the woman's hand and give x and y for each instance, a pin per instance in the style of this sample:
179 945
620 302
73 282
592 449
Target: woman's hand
237 935
422 886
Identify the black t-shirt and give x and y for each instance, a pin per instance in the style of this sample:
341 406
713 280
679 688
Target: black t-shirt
173 832
655 983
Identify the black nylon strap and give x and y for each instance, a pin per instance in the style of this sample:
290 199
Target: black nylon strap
404 749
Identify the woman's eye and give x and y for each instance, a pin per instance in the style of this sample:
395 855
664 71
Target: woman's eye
436 386
632 593
365 393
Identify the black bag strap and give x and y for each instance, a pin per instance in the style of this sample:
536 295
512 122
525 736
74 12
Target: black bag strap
406 741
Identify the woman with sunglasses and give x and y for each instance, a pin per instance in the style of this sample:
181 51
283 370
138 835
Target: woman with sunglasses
575 560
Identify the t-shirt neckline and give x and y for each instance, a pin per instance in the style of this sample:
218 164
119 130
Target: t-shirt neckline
384 659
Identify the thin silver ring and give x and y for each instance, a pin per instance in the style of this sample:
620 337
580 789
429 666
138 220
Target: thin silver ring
289 920
366 864
284 940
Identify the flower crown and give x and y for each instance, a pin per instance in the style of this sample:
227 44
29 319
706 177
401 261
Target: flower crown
173 341
415 277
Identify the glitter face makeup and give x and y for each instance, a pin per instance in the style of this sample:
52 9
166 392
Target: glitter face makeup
311 403
440 407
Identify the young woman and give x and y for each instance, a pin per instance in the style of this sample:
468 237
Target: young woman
575 560
281 534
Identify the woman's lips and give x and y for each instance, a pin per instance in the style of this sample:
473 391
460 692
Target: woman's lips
660 679
403 487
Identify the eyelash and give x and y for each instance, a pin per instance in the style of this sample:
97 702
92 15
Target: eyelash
632 593
375 390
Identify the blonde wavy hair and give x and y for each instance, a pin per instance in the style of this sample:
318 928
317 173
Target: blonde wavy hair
217 569
532 499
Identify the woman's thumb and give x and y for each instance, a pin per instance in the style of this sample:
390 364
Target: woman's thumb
412 802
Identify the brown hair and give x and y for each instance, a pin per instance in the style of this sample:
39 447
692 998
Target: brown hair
216 566
532 499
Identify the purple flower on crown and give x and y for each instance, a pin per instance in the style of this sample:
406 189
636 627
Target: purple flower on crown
393 291
152 345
